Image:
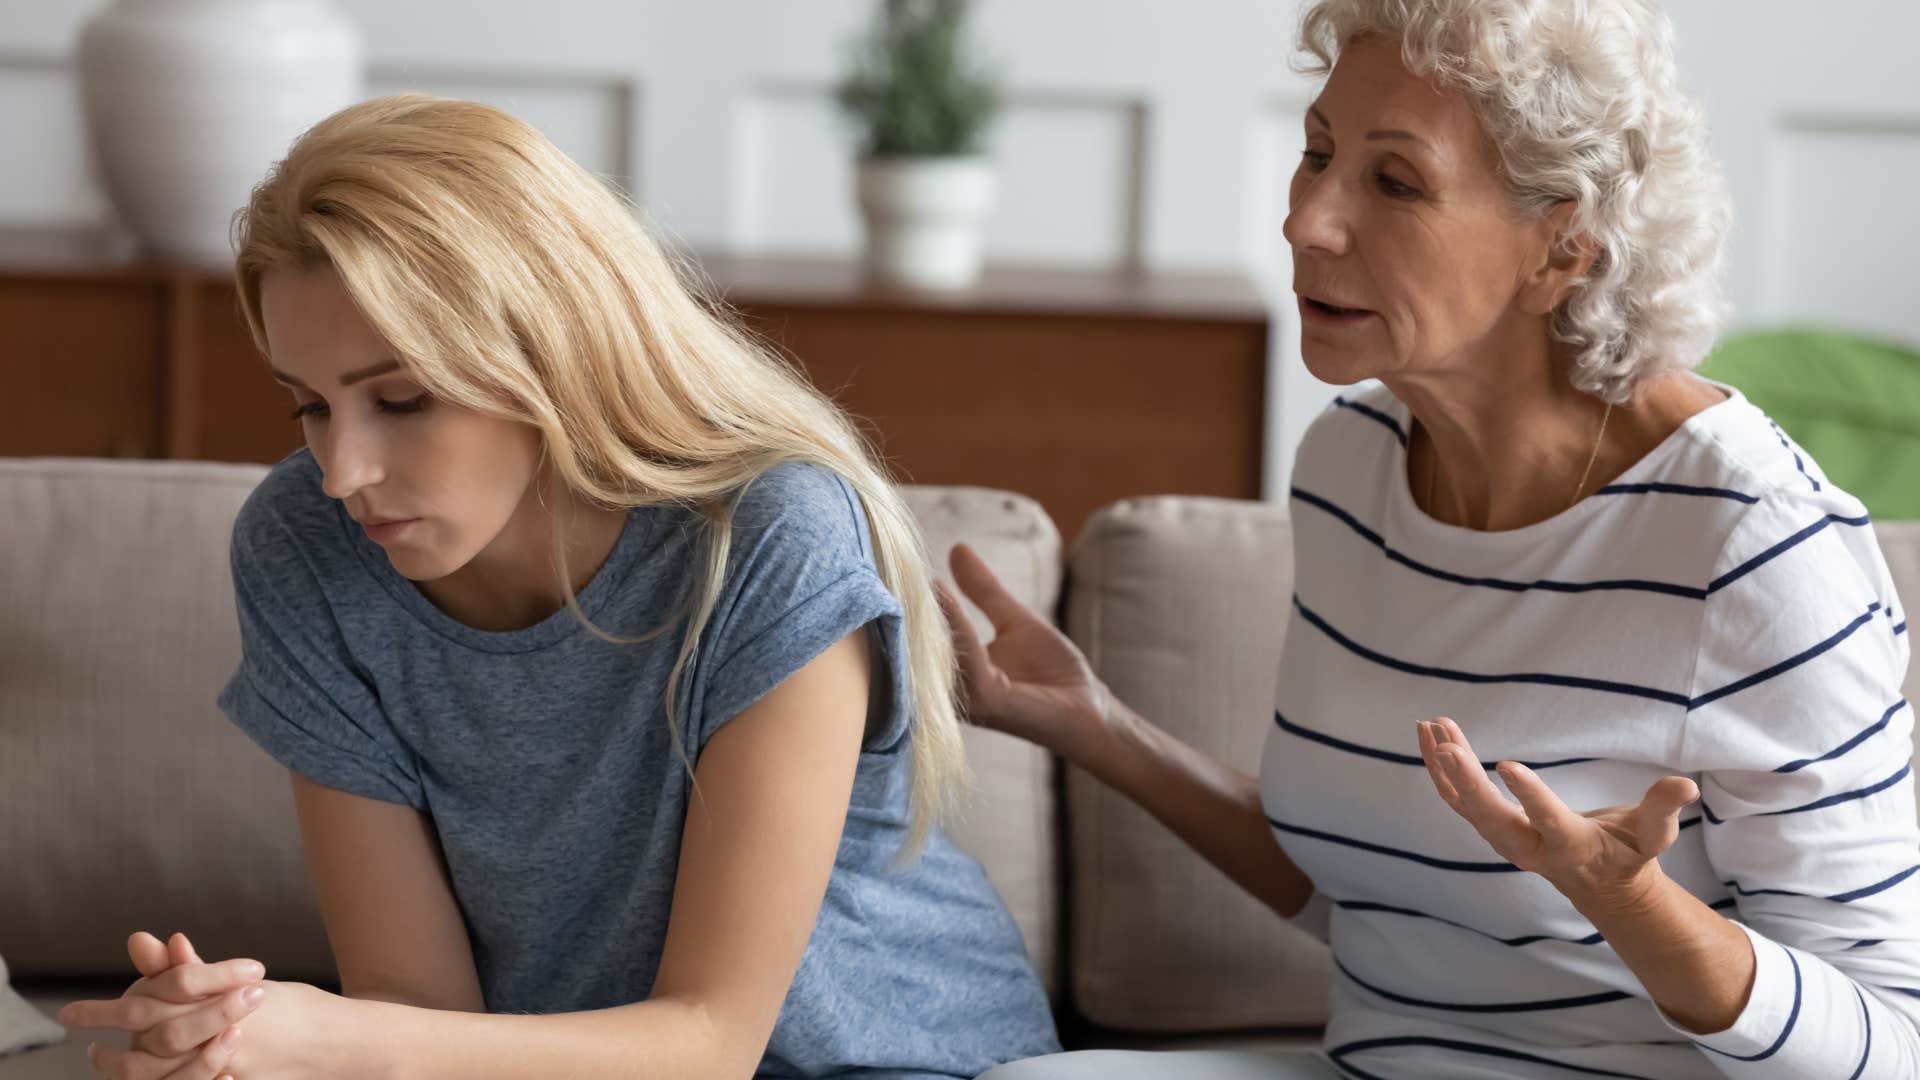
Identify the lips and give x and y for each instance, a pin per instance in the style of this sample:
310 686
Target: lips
1331 307
374 523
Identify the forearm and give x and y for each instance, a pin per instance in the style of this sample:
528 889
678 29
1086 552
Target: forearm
1695 965
1213 807
649 1039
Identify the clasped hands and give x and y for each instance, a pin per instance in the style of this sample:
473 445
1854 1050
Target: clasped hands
185 1018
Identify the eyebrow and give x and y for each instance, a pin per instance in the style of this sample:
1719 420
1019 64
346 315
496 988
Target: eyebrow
348 379
1389 133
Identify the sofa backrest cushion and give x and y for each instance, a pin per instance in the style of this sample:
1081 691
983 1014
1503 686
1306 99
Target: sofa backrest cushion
127 801
1180 604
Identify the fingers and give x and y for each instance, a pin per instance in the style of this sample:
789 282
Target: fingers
1657 819
1500 822
966 640
968 653
1429 745
1451 732
984 589
148 953
1554 820
206 1063
186 984
132 1013
180 950
183 1033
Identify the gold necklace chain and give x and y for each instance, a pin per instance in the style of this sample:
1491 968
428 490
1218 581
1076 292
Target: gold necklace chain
1433 474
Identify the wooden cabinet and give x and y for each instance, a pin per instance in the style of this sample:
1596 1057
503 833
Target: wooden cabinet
1074 387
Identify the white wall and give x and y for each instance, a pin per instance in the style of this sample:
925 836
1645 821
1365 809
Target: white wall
1139 131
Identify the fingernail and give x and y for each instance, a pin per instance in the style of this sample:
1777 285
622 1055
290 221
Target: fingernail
229 1037
254 995
252 969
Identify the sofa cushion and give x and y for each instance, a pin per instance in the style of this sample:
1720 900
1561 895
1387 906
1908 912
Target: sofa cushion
129 799
1008 821
1180 605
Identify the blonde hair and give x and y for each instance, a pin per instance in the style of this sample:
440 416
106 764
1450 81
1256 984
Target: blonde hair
1582 101
511 281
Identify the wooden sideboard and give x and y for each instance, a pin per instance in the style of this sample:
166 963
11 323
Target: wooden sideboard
1075 387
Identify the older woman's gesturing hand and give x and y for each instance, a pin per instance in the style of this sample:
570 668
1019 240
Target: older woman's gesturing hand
1030 681
1600 857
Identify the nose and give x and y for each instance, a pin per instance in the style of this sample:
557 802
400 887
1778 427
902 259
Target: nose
1318 217
350 459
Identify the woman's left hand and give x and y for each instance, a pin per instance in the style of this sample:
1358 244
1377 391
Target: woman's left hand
298 1032
1603 858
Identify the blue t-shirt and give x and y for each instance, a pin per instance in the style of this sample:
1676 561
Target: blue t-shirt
542 757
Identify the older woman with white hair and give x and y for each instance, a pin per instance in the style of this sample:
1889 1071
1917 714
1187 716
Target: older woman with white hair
1631 600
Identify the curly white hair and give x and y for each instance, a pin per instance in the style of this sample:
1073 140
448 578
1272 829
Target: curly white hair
1581 99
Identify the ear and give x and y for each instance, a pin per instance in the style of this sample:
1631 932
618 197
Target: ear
1560 268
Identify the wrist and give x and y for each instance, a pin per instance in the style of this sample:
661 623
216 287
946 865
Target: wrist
1634 897
374 1052
1103 735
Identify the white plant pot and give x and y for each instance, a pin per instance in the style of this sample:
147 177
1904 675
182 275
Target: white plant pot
189 103
924 218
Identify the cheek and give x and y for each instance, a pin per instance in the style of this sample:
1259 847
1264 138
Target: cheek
1439 290
473 472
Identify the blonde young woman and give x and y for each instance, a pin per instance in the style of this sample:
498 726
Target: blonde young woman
616 699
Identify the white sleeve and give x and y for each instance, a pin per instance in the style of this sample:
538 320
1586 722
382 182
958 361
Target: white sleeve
1803 745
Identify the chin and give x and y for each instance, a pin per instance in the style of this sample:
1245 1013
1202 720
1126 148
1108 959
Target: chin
419 566
1335 365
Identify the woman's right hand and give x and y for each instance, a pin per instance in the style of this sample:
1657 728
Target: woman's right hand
1030 681
183 1013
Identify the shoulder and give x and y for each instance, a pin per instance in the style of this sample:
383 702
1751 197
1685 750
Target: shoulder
802 506
1736 447
1781 514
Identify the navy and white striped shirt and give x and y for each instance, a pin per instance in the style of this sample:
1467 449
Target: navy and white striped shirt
1720 611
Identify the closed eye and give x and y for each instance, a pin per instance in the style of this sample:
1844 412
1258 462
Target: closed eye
1318 160
1394 189
411 405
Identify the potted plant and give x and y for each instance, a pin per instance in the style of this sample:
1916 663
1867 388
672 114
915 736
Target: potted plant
923 106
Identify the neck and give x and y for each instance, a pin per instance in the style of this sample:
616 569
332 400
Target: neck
1502 438
515 582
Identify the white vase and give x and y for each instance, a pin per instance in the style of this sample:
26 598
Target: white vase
924 218
189 102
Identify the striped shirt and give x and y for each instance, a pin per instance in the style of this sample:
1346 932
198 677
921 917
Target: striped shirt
1720 611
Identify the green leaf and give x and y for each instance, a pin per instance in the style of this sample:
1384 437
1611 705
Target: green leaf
913 85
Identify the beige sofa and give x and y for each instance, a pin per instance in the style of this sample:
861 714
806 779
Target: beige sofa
127 801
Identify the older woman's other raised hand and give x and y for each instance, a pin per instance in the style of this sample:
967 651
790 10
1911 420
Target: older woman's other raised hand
182 1013
1030 681
1600 857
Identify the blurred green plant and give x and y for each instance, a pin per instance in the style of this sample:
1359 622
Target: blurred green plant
914 86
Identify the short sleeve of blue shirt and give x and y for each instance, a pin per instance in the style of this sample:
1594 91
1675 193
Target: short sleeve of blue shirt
800 577
295 691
